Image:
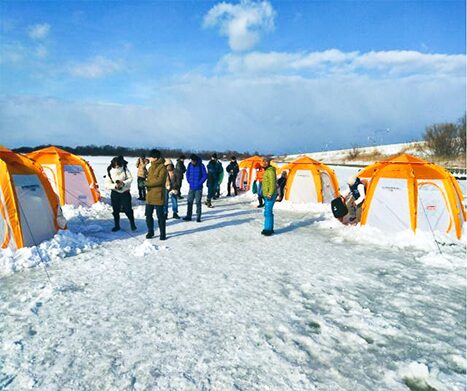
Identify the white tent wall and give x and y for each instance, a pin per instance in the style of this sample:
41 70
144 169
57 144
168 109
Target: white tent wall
51 172
303 188
328 190
433 210
77 190
389 208
3 222
36 215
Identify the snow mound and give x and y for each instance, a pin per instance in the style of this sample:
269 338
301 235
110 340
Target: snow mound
64 244
147 248
417 377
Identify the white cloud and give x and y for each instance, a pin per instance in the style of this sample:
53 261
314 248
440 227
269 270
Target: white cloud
41 51
39 31
242 23
95 68
333 61
12 52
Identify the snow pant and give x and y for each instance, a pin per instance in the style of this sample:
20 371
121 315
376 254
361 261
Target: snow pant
232 182
173 201
260 193
192 196
141 188
160 218
121 202
212 187
268 214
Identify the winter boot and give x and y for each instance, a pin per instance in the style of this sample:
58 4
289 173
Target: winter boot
150 235
175 216
116 223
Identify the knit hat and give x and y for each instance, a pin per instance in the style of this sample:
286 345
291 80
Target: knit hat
168 162
214 155
351 180
155 153
194 157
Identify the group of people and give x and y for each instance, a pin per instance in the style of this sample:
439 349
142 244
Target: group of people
160 181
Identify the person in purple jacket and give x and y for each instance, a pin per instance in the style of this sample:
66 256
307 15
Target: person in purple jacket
196 175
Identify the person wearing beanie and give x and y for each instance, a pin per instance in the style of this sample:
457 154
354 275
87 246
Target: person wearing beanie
179 172
269 194
118 181
233 170
196 175
214 171
155 198
355 194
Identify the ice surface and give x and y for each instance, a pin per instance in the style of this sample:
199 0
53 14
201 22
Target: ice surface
318 306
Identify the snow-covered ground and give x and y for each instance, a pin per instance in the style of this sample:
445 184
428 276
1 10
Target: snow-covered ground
318 306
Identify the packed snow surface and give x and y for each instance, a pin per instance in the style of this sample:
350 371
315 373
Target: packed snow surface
318 306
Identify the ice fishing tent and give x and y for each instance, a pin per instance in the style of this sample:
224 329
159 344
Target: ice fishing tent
310 181
29 209
405 192
71 177
247 173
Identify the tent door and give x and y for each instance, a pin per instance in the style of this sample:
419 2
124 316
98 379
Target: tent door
36 214
303 188
433 212
327 188
77 190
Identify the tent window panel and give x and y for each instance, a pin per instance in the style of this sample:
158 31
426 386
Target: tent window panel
389 209
303 188
37 218
51 172
77 189
433 211
327 187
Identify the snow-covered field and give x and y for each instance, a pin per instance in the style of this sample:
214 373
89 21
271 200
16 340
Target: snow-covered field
318 306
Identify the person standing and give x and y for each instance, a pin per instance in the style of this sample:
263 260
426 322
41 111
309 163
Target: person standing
180 170
233 170
196 175
142 173
259 184
172 190
118 181
281 182
155 198
269 194
213 179
220 178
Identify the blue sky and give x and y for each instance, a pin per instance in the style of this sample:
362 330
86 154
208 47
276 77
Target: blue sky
288 76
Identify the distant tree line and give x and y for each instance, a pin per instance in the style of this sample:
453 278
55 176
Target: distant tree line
446 139
110 150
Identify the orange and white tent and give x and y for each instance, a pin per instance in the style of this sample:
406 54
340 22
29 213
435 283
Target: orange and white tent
247 174
408 193
71 177
29 209
310 181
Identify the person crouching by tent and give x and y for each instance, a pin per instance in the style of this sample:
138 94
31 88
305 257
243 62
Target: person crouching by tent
259 185
173 190
196 175
355 195
142 173
155 198
233 170
281 182
119 181
269 194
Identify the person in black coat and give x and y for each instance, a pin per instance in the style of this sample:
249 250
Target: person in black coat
281 182
180 170
233 170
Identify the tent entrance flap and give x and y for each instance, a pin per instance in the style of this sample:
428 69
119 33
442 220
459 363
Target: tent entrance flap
36 216
327 187
433 208
303 188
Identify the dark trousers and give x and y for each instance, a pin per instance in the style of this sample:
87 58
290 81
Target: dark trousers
141 188
121 202
212 187
160 218
232 182
192 196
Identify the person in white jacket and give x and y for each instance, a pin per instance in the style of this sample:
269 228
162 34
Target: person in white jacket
119 180
357 191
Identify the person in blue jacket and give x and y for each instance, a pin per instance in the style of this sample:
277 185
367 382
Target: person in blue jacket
196 175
